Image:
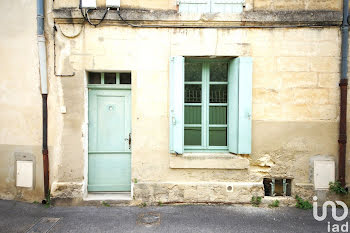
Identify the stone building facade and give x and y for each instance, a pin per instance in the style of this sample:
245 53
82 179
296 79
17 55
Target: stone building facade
290 50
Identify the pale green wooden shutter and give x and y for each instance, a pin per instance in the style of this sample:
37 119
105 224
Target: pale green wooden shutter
210 6
226 6
176 116
240 105
194 6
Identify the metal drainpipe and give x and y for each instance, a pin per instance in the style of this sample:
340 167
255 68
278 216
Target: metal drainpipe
343 93
43 79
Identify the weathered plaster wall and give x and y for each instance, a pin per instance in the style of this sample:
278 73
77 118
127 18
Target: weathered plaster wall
297 5
250 4
295 103
295 99
20 101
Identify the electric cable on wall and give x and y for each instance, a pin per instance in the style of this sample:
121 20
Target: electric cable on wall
86 16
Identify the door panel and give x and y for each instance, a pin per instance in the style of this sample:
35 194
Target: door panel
109 128
110 115
109 172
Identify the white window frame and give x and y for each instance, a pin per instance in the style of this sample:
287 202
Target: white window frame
205 106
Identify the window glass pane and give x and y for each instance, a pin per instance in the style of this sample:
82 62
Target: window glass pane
218 115
193 72
193 115
94 78
125 78
193 136
110 78
217 136
218 71
193 93
218 94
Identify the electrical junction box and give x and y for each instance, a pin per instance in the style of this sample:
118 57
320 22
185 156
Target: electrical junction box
324 172
113 3
89 4
24 174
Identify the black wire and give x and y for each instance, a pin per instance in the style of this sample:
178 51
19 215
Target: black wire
82 13
86 17
54 55
130 24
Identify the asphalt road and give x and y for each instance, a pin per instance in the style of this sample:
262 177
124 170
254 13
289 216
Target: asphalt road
26 217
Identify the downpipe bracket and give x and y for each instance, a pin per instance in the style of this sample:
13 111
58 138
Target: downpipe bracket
343 139
343 82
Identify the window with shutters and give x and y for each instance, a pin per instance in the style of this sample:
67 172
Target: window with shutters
211 6
205 104
210 105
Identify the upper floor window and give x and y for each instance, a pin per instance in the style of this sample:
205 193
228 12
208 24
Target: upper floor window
211 6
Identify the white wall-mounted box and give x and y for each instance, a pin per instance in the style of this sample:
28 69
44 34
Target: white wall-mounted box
113 3
324 172
24 174
90 4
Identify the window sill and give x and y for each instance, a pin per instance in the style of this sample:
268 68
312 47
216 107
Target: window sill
213 160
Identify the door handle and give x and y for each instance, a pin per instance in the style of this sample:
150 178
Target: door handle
129 140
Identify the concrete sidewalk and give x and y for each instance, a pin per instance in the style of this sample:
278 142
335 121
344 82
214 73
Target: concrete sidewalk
26 217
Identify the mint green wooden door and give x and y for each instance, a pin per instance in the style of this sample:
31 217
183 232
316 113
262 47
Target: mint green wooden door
109 135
